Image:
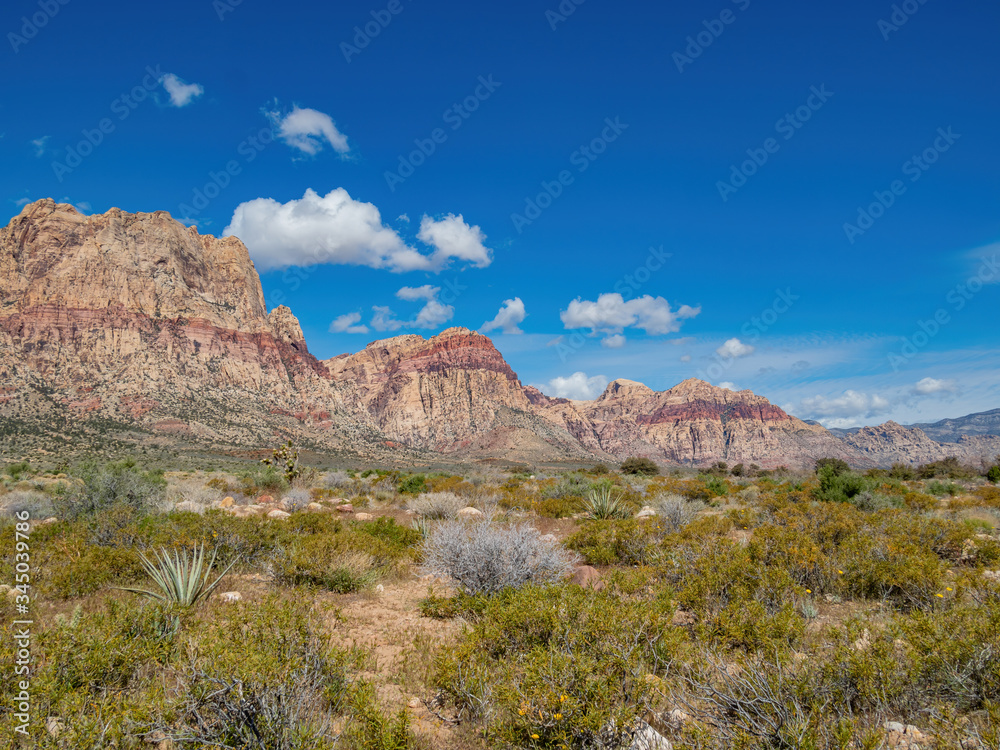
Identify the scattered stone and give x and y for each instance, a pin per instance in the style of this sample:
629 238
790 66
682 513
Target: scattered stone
646 512
364 517
682 617
54 726
991 575
414 703
379 589
12 594
677 719
894 726
647 738
227 502
278 515
47 521
345 508
314 508
588 577
550 538
864 642
265 499
470 512
230 596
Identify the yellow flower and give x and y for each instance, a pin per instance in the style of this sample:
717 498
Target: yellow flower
809 591
534 736
940 596
562 698
521 712
949 588
558 717
841 572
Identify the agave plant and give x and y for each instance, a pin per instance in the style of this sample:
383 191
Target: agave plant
181 579
602 505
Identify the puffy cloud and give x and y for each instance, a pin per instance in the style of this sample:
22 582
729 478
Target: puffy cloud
734 348
577 386
686 358
181 94
431 315
928 386
616 341
510 316
348 324
307 129
844 408
726 385
453 238
611 314
39 144
335 228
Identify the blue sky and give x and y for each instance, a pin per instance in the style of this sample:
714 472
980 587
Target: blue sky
401 167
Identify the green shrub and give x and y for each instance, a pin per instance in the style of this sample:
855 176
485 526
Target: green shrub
120 484
262 478
602 505
640 465
940 489
993 475
413 484
840 486
834 466
19 470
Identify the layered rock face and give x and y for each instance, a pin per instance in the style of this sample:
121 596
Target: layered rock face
138 321
692 423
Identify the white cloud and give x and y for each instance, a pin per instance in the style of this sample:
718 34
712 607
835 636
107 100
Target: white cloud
181 94
616 341
453 238
335 228
307 129
431 315
39 144
20 202
726 385
510 316
611 314
844 409
403 217
686 358
927 386
734 348
348 324
577 386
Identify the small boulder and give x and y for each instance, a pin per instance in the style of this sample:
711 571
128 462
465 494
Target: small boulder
314 508
647 738
646 512
265 499
230 596
364 517
588 577
54 726
47 521
550 538
345 508
227 502
470 512
278 515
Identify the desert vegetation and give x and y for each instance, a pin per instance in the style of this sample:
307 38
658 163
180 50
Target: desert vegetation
280 606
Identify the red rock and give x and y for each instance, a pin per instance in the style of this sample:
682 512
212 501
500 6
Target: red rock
265 499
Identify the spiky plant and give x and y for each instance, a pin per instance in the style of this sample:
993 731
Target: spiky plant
602 505
181 579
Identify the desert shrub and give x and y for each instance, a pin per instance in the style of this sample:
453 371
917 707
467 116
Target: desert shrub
835 466
716 486
37 504
488 556
628 542
88 571
640 465
919 502
903 472
19 470
120 484
870 501
840 486
558 666
600 469
570 485
675 512
336 479
940 489
262 478
993 474
949 468
297 499
557 507
603 505
437 505
412 484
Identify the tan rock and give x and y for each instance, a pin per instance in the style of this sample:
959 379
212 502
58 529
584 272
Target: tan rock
230 596
345 508
588 577
315 508
227 502
364 517
278 515
470 513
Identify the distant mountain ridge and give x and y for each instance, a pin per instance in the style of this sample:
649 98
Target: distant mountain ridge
137 327
950 430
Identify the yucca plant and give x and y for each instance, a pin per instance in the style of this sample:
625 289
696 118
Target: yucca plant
181 579
603 506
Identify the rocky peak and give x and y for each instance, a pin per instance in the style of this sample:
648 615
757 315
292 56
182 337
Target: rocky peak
285 325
